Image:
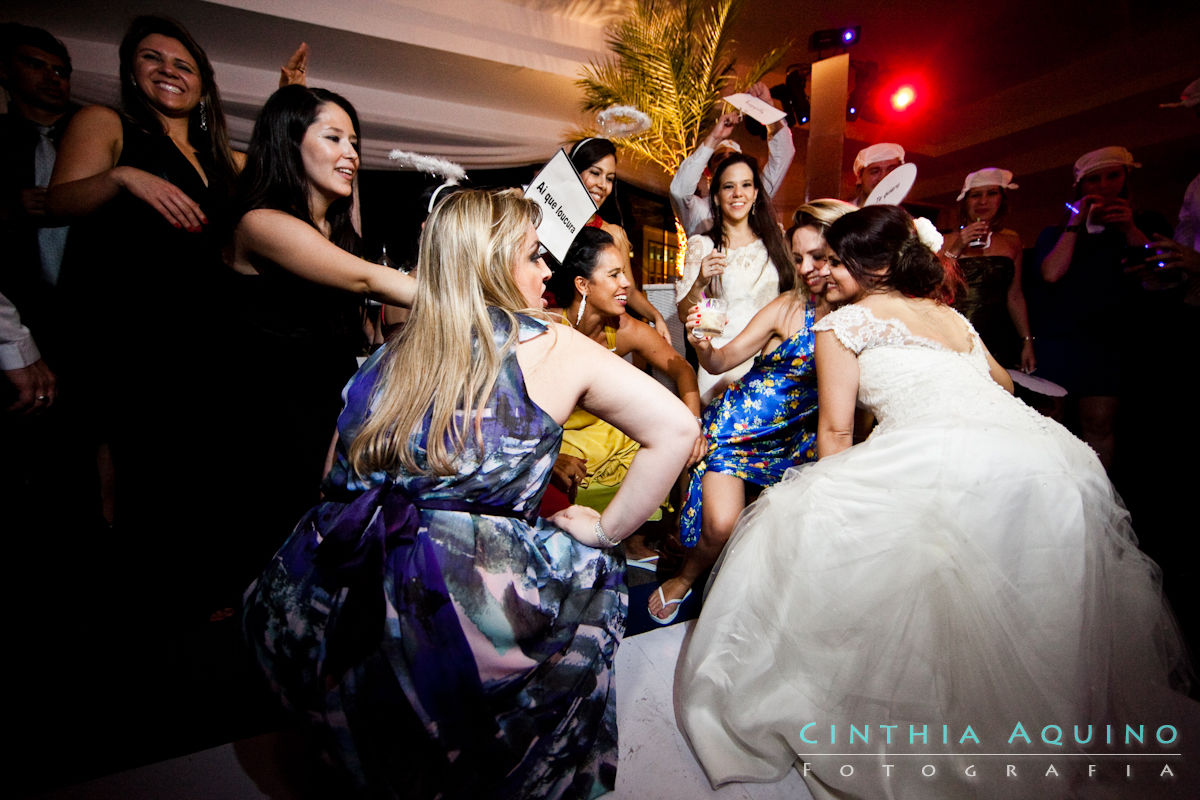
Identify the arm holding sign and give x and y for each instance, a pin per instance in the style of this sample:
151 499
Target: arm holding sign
780 147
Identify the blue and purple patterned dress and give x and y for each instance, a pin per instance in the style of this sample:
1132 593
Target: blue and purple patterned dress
762 425
444 639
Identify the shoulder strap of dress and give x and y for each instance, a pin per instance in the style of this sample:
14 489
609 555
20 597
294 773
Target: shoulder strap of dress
853 325
527 328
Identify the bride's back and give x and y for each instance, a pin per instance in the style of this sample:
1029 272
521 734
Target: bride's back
936 372
924 318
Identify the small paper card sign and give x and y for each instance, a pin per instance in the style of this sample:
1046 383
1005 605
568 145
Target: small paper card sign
566 204
894 187
749 104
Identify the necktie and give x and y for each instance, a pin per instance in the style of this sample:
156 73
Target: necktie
51 241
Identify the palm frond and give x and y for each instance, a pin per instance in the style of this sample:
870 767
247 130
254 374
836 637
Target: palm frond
673 59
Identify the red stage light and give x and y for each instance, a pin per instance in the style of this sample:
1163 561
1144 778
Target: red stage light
903 97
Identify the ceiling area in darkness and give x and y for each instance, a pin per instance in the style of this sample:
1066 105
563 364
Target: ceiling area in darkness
1026 85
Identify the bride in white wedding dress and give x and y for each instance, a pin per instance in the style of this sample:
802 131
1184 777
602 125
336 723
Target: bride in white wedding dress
965 570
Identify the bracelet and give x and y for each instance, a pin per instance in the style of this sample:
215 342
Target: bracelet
1027 338
602 537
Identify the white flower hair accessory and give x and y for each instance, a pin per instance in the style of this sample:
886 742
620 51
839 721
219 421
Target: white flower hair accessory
431 165
622 121
928 234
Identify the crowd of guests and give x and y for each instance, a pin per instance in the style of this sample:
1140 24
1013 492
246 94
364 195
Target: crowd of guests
179 328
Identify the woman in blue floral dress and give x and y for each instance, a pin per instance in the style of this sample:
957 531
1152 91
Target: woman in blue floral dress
763 424
443 639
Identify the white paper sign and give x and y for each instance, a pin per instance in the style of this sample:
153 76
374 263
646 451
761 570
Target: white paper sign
566 204
894 187
749 104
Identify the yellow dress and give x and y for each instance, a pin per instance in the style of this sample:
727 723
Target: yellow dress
607 451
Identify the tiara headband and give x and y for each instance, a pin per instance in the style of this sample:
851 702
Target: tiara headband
580 144
433 198
431 165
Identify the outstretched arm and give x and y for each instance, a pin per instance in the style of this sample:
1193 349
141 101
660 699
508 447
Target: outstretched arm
639 338
780 317
568 369
780 147
691 210
301 249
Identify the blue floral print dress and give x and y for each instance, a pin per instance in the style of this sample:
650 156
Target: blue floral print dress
762 425
446 641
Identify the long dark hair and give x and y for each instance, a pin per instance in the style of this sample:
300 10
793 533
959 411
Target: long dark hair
274 175
580 261
215 140
762 220
880 248
586 152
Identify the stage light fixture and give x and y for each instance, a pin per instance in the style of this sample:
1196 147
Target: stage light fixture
835 38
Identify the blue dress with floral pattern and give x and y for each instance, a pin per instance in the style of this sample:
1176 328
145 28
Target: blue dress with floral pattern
762 425
444 639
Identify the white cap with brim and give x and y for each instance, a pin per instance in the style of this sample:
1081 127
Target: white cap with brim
988 176
1101 159
884 151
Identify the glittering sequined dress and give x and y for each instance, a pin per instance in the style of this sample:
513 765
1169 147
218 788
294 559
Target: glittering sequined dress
985 304
444 639
762 425
968 564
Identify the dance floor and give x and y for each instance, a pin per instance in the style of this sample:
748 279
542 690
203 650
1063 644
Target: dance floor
655 759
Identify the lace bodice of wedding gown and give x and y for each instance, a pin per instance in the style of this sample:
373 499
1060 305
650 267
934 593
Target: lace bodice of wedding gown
905 378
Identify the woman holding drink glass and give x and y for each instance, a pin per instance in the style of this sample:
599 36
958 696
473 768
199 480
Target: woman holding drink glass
989 256
742 261
1081 337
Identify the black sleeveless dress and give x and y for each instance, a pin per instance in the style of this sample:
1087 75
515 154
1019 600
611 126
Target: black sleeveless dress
985 304
147 369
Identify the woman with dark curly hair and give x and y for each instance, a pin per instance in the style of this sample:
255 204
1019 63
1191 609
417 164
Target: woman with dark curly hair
969 565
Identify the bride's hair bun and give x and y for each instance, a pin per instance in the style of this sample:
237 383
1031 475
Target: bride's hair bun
880 247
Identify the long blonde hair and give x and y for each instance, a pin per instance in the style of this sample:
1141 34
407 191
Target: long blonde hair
445 360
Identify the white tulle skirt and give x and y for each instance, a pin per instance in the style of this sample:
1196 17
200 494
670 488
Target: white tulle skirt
949 575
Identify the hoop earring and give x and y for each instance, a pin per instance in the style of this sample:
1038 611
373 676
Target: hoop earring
582 306
203 117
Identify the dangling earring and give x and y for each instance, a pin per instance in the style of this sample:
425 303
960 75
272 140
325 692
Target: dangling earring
203 117
582 306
